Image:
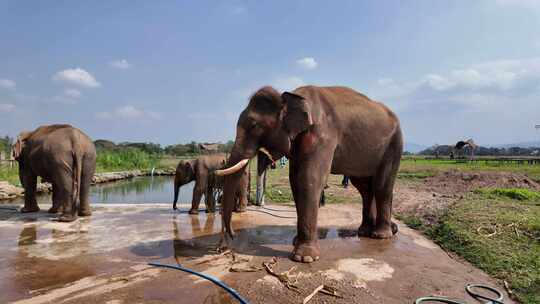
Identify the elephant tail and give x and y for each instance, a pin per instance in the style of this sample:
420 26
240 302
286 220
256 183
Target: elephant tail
77 173
176 190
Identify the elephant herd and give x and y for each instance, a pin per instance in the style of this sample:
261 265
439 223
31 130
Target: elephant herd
321 130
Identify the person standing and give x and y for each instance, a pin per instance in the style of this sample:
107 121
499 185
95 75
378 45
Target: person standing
345 181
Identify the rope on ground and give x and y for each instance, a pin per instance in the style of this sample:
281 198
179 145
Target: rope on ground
470 290
212 279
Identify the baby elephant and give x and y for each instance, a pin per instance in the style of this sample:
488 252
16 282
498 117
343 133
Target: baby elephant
201 170
63 156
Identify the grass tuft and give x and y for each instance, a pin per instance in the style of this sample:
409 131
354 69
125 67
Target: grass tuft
520 194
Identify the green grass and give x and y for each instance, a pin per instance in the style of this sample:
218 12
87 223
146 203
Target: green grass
10 174
519 194
414 175
496 233
435 166
127 159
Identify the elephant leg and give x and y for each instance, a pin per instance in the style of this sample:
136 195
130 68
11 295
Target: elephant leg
308 176
56 204
86 180
210 199
198 191
383 189
30 203
365 187
64 183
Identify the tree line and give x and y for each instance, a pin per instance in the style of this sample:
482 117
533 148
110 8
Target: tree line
187 149
483 151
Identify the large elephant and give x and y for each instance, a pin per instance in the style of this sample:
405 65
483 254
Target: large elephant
321 130
65 157
201 170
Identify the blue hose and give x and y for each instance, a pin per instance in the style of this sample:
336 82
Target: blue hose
212 279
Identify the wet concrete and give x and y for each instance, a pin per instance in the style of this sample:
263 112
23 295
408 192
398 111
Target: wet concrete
103 259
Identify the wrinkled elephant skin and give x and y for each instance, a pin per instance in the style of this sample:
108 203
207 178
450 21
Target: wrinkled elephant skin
321 130
65 157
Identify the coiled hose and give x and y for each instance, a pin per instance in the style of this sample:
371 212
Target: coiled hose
471 292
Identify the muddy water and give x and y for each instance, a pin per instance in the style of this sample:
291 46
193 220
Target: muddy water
138 190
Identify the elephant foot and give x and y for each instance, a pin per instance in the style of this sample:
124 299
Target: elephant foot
54 210
305 252
241 210
210 210
384 232
174 207
85 212
365 230
193 211
29 209
67 218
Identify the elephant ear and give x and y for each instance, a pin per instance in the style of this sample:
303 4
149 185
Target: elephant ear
297 116
19 145
189 168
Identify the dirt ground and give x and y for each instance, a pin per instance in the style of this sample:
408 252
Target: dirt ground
103 259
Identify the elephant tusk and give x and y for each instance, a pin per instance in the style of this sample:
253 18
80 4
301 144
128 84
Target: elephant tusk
241 164
265 152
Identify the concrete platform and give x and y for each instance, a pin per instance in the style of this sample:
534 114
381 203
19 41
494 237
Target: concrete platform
103 259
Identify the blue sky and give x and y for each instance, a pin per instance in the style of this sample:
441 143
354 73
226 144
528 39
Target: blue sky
172 72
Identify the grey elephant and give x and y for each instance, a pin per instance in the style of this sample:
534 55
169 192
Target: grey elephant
65 157
201 171
321 130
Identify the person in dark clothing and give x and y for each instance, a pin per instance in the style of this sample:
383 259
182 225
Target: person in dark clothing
345 181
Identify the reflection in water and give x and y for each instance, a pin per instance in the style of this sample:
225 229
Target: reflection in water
155 189
193 247
28 236
138 190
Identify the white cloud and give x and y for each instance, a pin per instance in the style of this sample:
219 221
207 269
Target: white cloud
72 93
514 77
437 82
128 112
78 77
121 64
307 63
6 107
7 84
287 83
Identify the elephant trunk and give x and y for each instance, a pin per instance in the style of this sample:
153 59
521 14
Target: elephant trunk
176 191
231 183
